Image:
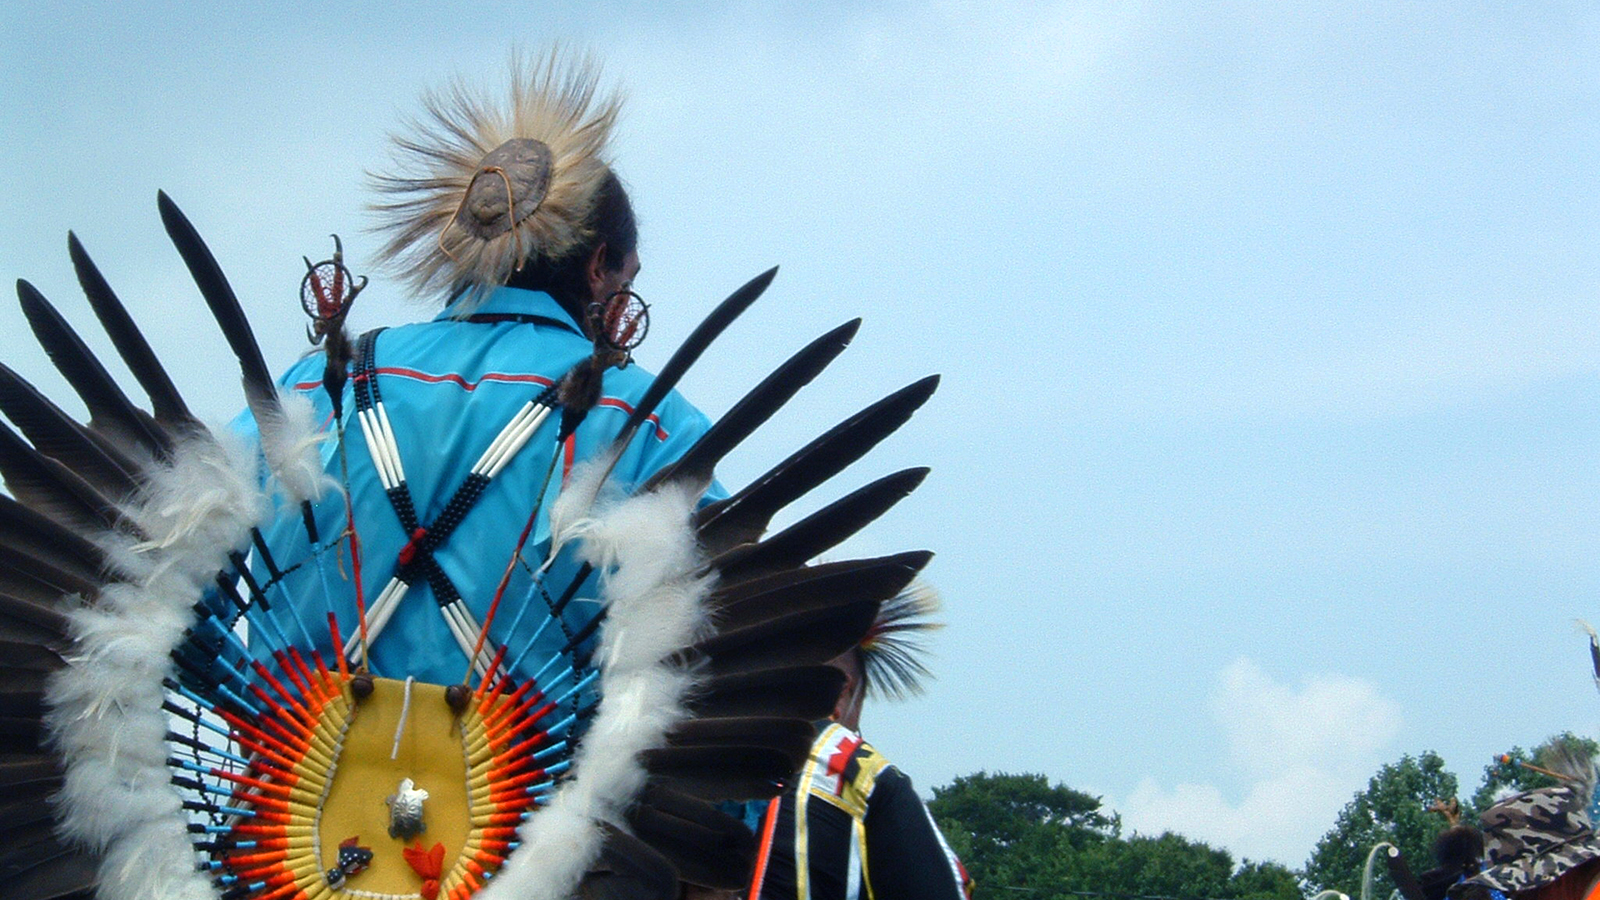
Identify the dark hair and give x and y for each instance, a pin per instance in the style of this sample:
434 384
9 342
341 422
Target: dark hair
566 279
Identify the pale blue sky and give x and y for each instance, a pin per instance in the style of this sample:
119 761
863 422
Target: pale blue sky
1266 450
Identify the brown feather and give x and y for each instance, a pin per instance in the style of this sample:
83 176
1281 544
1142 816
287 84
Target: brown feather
806 637
51 488
629 869
802 692
742 604
720 773
819 532
708 847
792 737
57 436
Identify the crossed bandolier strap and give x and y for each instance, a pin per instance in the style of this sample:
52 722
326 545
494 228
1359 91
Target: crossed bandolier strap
417 559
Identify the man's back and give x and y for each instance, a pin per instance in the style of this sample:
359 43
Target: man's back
448 388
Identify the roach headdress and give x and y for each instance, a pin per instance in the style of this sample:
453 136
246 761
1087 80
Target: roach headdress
892 651
485 185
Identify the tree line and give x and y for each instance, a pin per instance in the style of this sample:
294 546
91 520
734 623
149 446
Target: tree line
1021 835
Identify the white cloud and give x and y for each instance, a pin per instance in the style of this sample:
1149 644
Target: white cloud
1304 750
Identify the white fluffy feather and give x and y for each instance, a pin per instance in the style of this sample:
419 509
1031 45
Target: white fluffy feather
292 445
105 711
656 606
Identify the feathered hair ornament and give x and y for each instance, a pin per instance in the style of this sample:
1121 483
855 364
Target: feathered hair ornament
892 651
485 187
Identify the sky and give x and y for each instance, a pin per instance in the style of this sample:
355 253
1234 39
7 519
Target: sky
1266 445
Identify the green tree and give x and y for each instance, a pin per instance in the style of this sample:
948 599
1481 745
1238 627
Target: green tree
1021 833
1011 829
1005 806
1164 866
1393 808
1264 881
1506 773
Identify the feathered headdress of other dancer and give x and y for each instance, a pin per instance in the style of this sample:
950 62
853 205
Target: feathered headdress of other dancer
489 185
892 652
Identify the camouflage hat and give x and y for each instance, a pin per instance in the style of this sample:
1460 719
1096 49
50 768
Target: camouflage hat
1535 837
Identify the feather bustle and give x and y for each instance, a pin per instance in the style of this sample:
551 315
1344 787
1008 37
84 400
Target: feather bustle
743 517
756 407
56 435
105 715
819 532
130 342
655 605
110 410
220 299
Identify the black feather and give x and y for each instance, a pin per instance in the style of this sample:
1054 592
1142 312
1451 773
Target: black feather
56 435
758 406
29 586
743 517
25 808
110 410
628 869
803 638
29 657
722 772
40 574
800 692
28 769
65 875
830 584
708 848
24 848
21 696
165 400
819 532
44 616
24 574
25 632
792 737
51 488
219 297
39 535
694 732
689 352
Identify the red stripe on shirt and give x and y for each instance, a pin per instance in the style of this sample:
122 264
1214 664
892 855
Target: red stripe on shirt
661 433
448 377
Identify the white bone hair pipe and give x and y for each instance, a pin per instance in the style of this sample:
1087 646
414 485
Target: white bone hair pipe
377 616
518 441
393 444
379 458
472 628
493 449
